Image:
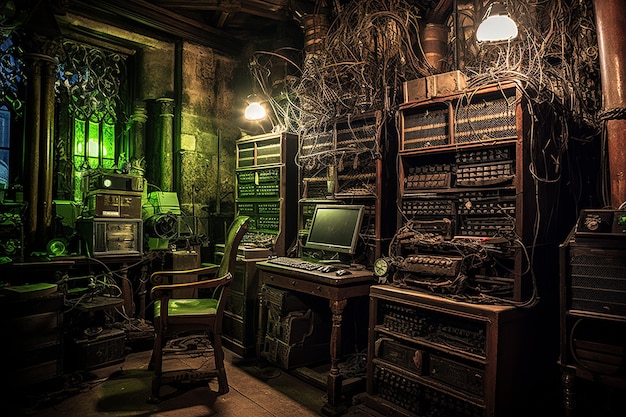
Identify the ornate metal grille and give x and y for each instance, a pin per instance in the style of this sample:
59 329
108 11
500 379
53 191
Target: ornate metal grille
91 77
11 74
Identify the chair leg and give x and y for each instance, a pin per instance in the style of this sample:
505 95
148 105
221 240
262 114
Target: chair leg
156 365
151 363
218 351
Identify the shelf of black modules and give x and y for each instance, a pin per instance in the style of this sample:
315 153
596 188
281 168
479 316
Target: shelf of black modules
464 161
429 355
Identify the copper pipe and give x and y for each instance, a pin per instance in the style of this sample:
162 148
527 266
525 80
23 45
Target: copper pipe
435 44
315 28
610 23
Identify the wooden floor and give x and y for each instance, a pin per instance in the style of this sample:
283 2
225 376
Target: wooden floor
121 390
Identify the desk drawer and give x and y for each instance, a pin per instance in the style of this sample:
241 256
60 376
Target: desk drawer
299 285
37 330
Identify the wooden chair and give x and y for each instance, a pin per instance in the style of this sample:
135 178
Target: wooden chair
173 316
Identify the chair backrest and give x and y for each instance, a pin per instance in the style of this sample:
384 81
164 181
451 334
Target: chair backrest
235 233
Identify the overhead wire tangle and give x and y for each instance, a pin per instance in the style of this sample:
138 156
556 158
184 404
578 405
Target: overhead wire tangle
367 53
555 57
556 52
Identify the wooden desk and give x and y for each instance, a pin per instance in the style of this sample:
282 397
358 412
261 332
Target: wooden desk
337 290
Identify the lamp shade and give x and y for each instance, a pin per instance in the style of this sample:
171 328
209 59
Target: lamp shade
497 25
255 111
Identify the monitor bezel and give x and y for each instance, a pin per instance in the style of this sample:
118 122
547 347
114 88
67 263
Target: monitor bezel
351 250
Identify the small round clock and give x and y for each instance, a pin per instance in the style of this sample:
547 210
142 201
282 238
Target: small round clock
381 267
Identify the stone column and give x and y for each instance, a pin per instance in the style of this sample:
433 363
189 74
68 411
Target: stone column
42 43
32 139
138 130
166 139
46 155
39 134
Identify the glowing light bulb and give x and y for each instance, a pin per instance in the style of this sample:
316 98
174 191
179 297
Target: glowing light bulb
255 111
497 25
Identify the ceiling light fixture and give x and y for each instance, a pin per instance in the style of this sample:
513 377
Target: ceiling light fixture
497 25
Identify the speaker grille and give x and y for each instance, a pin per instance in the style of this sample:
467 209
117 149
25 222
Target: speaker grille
598 280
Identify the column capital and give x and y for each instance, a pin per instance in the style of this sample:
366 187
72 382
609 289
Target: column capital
166 106
140 114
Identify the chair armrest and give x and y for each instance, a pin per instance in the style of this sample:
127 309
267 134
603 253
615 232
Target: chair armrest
164 291
157 277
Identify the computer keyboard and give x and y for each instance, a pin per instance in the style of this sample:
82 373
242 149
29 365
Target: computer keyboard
298 263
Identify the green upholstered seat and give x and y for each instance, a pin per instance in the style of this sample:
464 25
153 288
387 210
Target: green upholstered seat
186 306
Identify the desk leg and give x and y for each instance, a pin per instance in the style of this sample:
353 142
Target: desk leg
127 292
334 380
142 291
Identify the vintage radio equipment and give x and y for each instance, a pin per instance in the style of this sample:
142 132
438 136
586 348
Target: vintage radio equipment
454 373
597 280
430 356
594 263
104 237
297 339
110 181
593 301
437 265
601 224
434 85
295 334
402 355
117 205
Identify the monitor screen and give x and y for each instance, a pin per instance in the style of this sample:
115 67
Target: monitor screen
335 228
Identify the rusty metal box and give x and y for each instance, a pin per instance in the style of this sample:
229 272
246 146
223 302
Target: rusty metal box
434 86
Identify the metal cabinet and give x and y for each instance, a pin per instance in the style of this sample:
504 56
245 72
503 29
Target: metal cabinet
593 315
267 189
471 168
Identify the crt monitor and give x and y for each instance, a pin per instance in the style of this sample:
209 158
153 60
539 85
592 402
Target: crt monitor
335 228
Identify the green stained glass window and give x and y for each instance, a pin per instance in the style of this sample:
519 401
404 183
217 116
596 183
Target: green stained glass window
108 144
92 79
94 147
79 138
